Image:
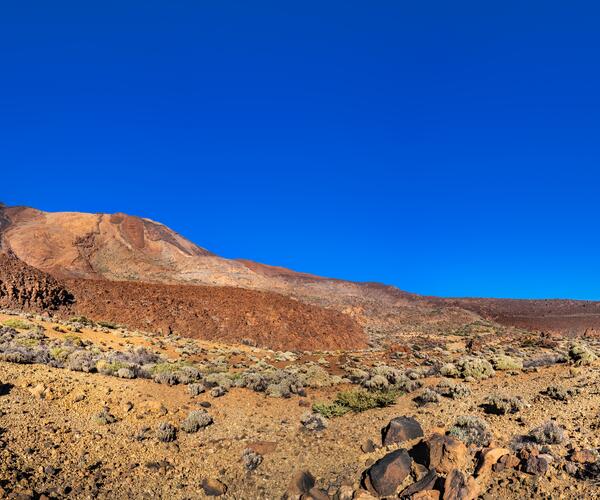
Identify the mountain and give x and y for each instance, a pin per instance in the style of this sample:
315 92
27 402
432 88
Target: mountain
123 267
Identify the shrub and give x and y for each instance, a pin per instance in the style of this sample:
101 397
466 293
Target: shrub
427 396
559 393
313 421
449 389
471 430
548 433
166 432
501 405
196 389
356 401
581 355
196 420
477 368
504 362
18 324
105 417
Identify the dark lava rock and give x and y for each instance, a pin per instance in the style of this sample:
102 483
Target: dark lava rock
402 429
427 482
386 475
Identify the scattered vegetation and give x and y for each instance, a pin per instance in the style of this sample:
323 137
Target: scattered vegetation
18 324
471 430
356 401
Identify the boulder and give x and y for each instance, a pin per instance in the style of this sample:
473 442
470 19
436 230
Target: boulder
458 487
386 475
301 484
427 482
489 457
402 429
445 453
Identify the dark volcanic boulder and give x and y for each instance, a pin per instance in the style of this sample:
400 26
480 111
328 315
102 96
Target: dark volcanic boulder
402 429
386 475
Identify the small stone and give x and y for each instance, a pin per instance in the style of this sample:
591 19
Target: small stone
213 487
368 446
584 457
536 465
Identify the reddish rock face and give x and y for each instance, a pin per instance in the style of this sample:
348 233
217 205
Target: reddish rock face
446 453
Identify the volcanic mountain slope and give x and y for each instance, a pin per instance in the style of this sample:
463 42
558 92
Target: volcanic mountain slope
123 248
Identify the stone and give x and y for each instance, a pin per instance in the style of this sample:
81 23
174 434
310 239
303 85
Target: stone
536 465
387 474
401 429
427 482
489 457
363 495
426 495
315 494
458 487
446 453
213 487
584 457
301 483
368 446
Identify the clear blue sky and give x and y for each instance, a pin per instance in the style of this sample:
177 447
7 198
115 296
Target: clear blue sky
448 148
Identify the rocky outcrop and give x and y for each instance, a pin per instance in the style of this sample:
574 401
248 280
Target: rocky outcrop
24 287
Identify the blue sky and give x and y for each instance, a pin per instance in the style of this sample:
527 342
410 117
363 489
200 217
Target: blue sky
448 148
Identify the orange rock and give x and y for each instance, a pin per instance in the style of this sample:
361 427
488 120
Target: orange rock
446 453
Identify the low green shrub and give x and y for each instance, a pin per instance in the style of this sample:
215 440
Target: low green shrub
356 401
18 324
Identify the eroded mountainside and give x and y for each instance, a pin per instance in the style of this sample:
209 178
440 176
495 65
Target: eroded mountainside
118 248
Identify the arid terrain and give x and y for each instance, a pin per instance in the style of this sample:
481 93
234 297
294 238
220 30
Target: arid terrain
135 364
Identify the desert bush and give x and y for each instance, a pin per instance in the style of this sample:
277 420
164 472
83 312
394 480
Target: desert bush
581 355
560 393
196 389
478 368
166 432
217 392
428 396
105 417
503 362
251 459
18 324
452 390
196 420
548 433
376 383
471 430
449 370
501 405
313 421
166 378
356 401
81 361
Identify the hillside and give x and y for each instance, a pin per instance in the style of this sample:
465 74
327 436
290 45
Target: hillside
119 248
